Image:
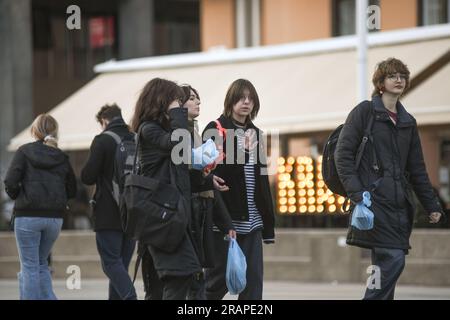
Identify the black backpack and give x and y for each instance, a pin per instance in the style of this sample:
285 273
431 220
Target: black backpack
123 161
329 171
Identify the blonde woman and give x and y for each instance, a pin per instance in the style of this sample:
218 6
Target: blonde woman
40 179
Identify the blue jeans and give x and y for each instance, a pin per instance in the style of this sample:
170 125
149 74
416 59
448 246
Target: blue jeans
35 237
116 251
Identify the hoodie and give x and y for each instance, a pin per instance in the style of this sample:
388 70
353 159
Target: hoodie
40 179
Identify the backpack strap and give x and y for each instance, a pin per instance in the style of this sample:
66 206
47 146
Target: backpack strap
368 137
222 130
223 134
114 135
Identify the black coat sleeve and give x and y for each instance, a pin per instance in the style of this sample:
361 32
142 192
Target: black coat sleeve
71 183
199 182
93 167
221 216
418 176
346 149
156 135
14 175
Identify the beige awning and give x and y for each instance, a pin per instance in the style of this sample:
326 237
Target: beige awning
298 93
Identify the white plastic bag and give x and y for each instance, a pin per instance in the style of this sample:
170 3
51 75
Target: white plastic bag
236 274
362 217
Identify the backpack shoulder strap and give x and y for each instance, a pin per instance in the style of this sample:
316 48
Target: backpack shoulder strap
366 137
222 130
114 135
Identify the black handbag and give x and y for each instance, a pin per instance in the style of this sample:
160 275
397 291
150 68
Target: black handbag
153 212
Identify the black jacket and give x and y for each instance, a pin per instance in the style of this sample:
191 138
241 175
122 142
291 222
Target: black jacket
41 180
98 170
234 176
155 147
206 212
402 170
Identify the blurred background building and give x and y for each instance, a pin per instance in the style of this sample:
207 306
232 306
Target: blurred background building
300 54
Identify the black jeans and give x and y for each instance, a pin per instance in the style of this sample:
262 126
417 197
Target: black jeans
251 246
390 264
116 251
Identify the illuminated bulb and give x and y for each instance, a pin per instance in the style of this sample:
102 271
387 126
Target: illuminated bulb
302 192
320 208
291 201
301 176
332 208
282 193
292 209
281 161
311 200
303 209
311 209
289 168
283 201
290 160
302 200
283 209
282 185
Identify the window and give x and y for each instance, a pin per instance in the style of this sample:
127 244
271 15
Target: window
176 26
433 12
344 19
71 54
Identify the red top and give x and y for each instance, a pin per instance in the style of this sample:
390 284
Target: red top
393 115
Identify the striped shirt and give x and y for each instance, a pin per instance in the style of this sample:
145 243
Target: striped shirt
255 221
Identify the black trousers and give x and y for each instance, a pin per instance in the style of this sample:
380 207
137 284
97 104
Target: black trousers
390 264
251 245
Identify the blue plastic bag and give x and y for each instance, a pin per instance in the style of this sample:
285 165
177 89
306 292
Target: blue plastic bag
236 274
362 217
204 155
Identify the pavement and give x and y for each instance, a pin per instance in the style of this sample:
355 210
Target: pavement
96 289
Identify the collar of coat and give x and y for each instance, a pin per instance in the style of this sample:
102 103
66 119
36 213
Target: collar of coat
116 122
227 123
404 119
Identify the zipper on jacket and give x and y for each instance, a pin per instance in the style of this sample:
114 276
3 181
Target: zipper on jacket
395 153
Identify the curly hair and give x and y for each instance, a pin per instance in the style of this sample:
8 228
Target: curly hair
385 68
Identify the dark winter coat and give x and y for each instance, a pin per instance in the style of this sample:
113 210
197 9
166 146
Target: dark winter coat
155 147
99 170
236 198
402 171
208 209
41 180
